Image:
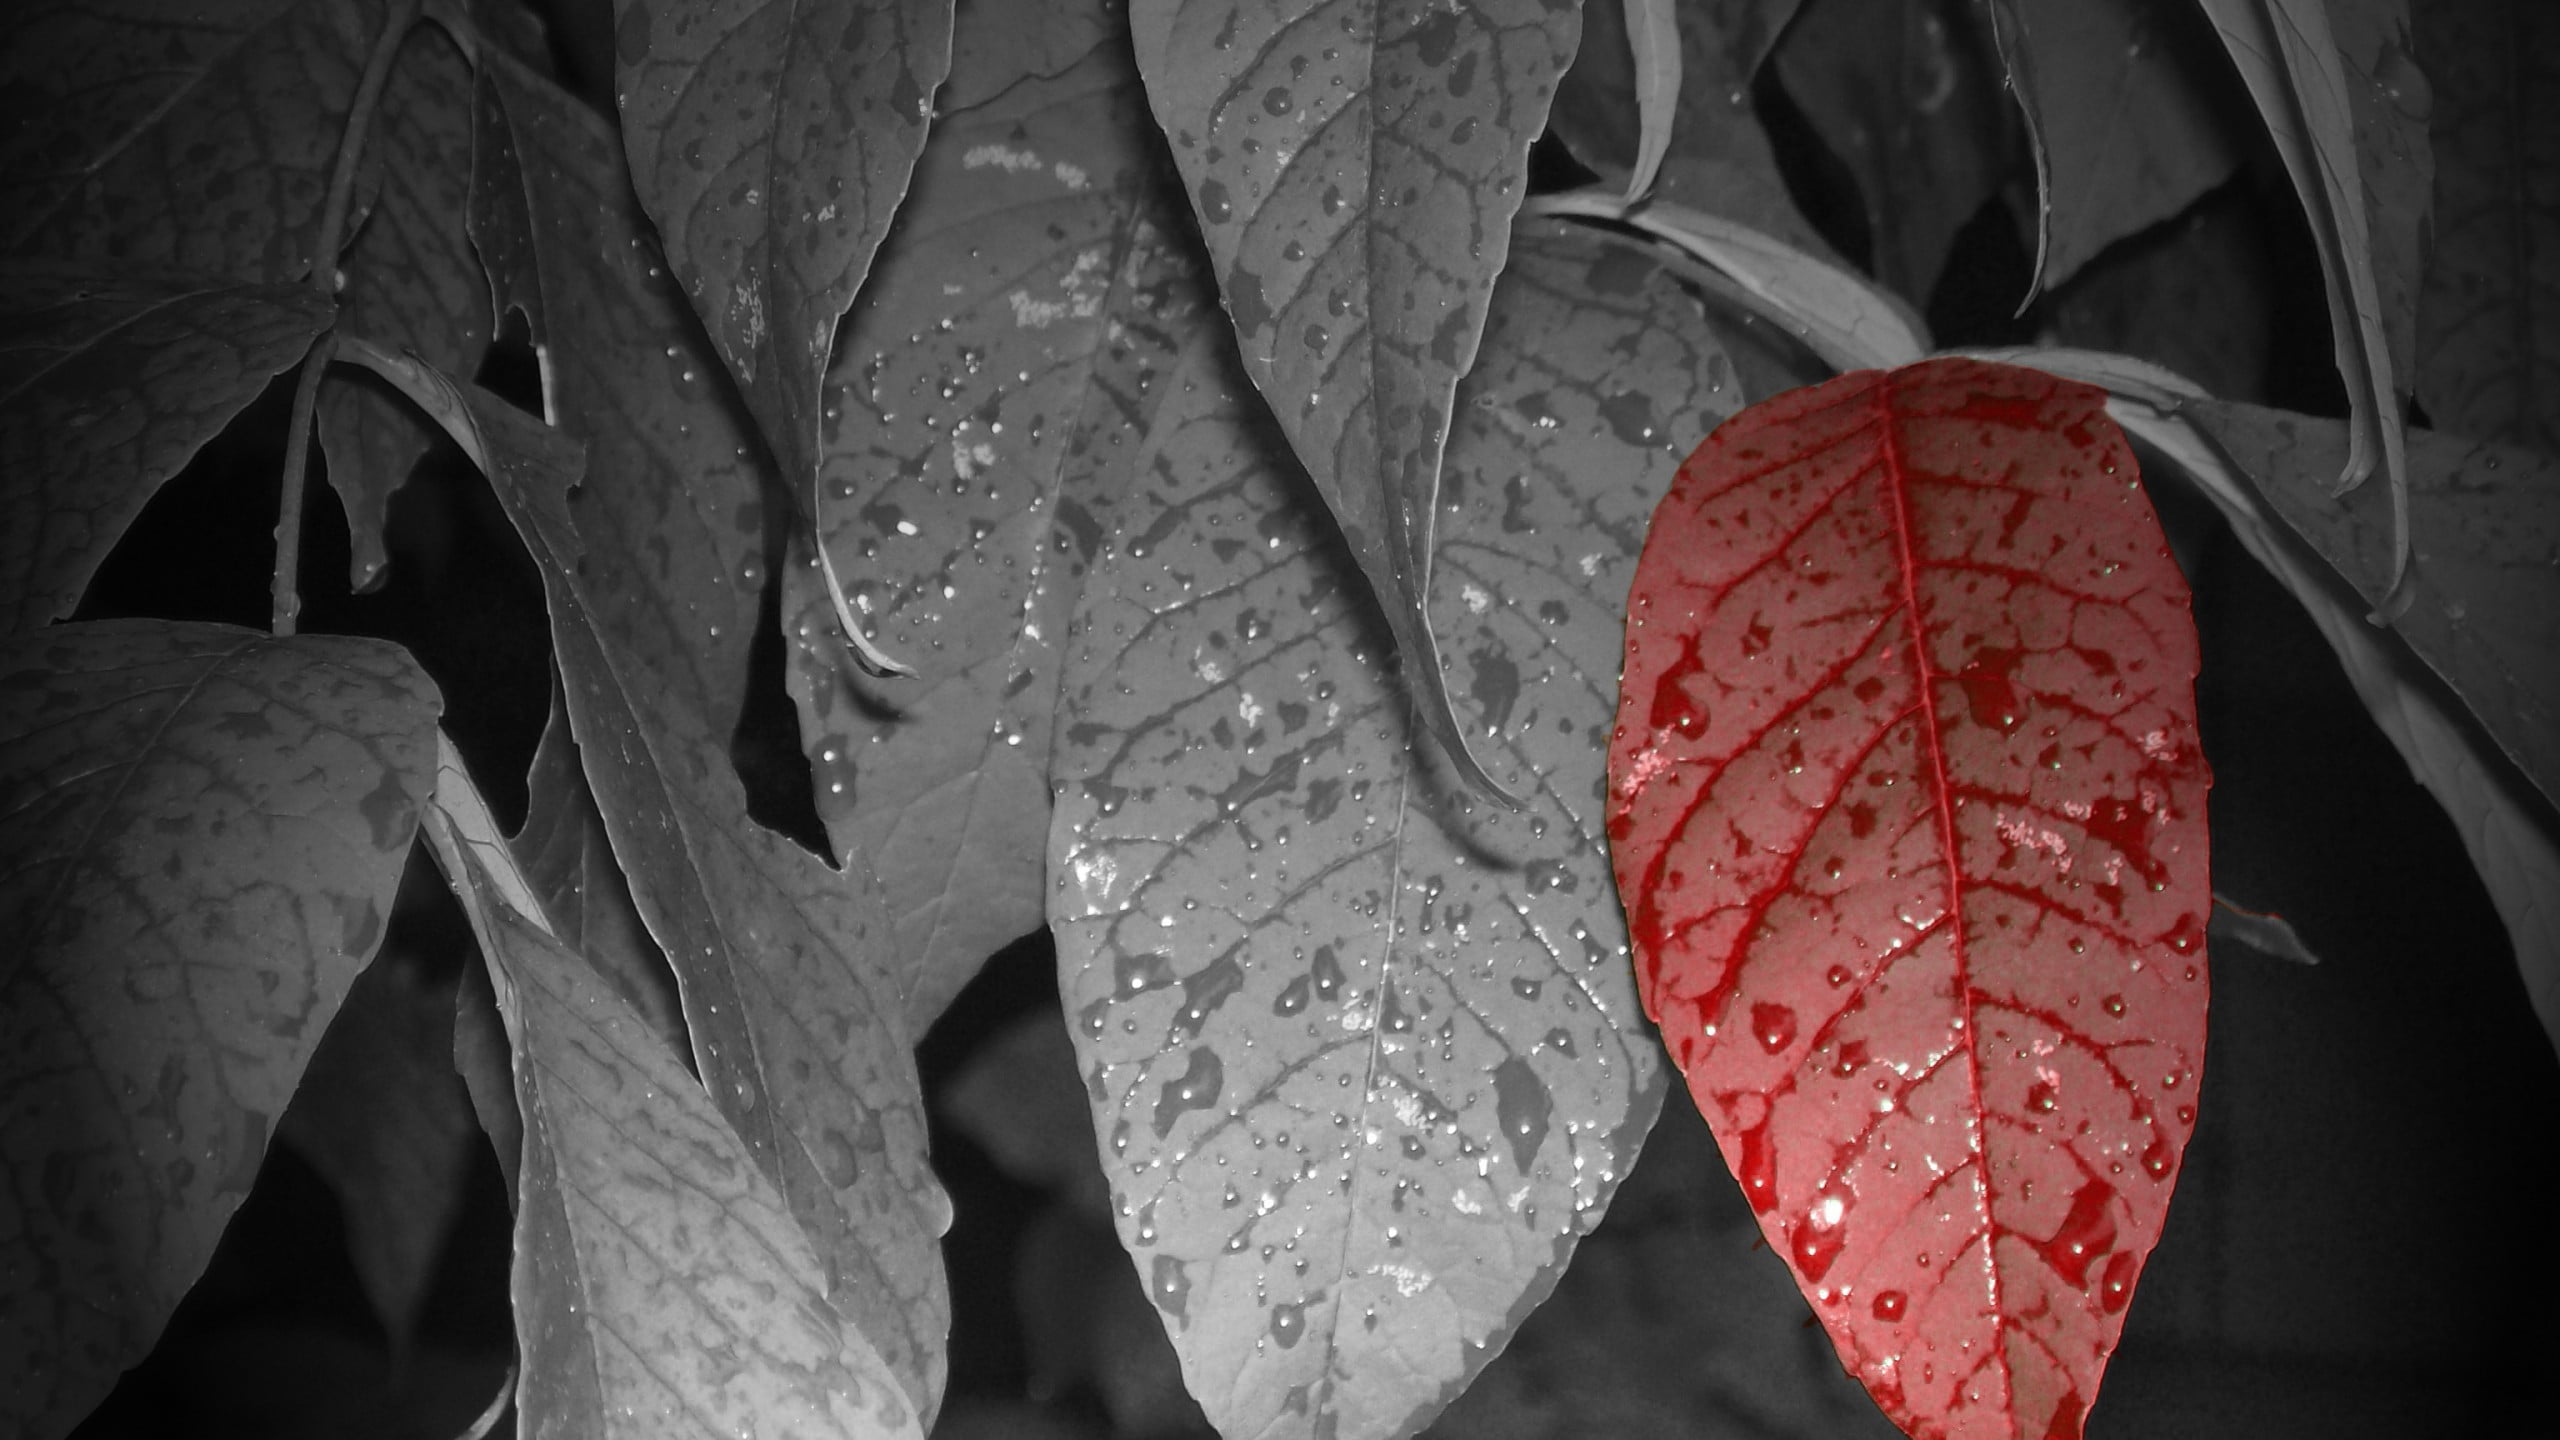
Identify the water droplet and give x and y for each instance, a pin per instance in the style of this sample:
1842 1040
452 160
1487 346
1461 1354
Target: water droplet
1288 1324
1169 1285
1136 974
1774 1026
2113 1005
1889 1305
1521 1108
1195 1089
2086 1233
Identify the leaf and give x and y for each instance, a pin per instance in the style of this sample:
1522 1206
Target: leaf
1653 32
411 281
205 828
110 378
1000 359
670 459
170 133
770 140
383 1117
2389 100
2195 294
2489 311
1719 158
2502 827
2269 934
1360 1047
2285 52
1908 813
1841 318
1905 95
2120 92
661 1285
2484 521
585 897
793 1016
1355 169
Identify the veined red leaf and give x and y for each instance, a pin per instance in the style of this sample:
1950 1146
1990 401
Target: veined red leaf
998 362
1908 813
411 281
1359 1047
176 133
1907 93
2489 313
109 382
771 140
204 828
1356 168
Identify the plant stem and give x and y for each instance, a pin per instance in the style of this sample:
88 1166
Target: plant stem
324 278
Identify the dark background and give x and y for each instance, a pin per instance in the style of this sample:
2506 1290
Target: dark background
2358 1247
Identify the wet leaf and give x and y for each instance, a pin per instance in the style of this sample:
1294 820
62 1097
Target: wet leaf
661 1287
411 281
383 1117
1907 94
2125 96
770 140
2502 825
568 860
205 827
1000 359
1908 811
793 1014
2389 99
1355 169
2287 53
2195 294
172 133
2484 521
1718 159
110 378
2489 315
671 464
1361 1048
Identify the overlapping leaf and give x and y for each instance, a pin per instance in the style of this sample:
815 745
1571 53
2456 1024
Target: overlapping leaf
2489 314
662 1286
205 827
770 140
1362 1052
793 1015
1719 160
670 457
214 156
1908 812
411 281
1355 165
2289 56
108 384
1907 95
2122 97
1000 357
382 1116
2484 521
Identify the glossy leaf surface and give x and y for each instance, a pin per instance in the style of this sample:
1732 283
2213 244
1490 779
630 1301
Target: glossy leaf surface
108 384
2484 520
213 157
1653 36
2289 56
770 140
1907 94
995 365
2124 99
1362 1052
411 281
793 1015
1718 157
661 1287
1907 809
1355 165
2489 314
670 457
205 828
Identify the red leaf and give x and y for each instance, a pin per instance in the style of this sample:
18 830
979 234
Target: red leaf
1908 815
